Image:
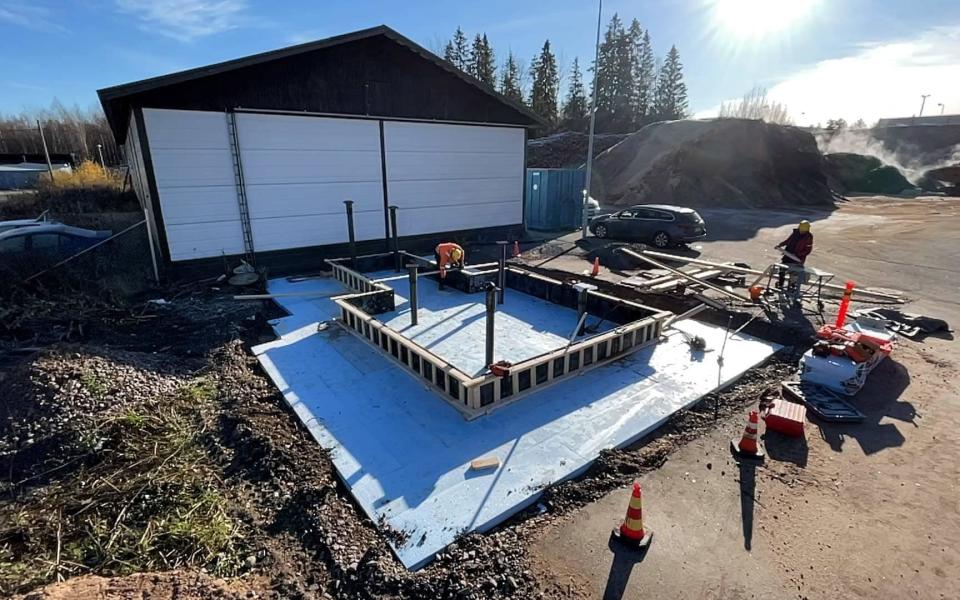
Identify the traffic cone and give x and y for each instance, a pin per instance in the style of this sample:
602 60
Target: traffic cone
596 267
516 249
749 446
631 531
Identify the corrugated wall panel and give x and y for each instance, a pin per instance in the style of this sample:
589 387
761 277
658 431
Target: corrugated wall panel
299 170
192 165
450 177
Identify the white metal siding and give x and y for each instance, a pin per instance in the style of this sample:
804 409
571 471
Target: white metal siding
193 168
451 177
299 170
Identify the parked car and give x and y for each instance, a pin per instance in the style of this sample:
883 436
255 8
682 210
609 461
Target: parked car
659 224
18 223
47 241
593 208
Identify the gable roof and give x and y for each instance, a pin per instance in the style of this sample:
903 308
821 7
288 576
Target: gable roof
114 99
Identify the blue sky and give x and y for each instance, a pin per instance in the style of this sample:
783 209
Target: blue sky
823 58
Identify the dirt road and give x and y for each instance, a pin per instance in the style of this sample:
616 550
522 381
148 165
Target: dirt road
853 511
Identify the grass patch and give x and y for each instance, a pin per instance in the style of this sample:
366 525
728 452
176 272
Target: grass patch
94 384
149 500
201 389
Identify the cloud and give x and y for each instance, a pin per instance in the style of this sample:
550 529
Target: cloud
881 79
186 20
31 16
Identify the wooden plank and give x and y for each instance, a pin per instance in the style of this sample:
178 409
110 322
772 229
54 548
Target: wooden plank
735 269
487 462
655 263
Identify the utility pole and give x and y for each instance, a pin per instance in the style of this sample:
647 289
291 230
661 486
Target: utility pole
940 104
593 122
922 103
46 152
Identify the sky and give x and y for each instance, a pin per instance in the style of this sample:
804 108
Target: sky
822 58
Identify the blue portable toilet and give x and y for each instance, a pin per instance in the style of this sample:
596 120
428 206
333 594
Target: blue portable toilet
554 198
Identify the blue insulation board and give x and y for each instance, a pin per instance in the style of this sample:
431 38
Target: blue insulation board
404 453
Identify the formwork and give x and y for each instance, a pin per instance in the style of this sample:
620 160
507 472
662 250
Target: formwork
631 326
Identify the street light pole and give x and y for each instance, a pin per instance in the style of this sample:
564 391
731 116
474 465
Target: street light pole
922 103
593 123
103 165
940 104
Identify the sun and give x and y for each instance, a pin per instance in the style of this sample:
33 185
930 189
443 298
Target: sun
760 18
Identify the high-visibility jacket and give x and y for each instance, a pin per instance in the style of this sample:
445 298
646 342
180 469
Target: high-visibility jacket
444 254
800 244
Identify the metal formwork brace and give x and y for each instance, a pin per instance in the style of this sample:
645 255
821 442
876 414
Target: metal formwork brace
241 188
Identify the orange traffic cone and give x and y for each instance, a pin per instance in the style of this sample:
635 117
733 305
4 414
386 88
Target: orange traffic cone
631 531
516 249
749 446
596 267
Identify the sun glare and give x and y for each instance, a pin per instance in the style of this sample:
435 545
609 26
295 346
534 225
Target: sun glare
760 18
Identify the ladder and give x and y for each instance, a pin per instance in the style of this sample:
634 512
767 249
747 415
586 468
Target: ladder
241 189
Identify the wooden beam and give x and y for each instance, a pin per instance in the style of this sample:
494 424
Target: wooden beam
736 269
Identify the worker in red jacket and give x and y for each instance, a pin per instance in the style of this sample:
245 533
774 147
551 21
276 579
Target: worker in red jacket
448 255
797 248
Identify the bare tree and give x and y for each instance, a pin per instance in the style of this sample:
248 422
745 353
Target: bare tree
756 105
67 131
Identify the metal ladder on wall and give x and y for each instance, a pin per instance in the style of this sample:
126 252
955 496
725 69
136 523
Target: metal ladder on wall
248 252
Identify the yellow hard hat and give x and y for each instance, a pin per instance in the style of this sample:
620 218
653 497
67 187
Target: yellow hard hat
804 226
456 254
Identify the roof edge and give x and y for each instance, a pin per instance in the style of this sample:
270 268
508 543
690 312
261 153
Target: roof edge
117 92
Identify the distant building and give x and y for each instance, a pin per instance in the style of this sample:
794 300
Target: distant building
25 175
931 120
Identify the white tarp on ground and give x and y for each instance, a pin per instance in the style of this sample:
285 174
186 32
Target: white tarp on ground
405 453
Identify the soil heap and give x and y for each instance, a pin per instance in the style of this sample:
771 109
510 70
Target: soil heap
851 172
567 150
715 162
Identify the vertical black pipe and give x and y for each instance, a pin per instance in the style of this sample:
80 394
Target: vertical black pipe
396 242
350 234
502 269
412 268
582 307
491 311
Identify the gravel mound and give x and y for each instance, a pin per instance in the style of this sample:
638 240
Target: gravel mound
860 173
716 162
567 150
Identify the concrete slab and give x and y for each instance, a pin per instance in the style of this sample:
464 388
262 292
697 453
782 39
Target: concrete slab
452 324
405 454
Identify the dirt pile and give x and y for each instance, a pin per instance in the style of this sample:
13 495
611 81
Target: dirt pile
567 150
716 162
945 180
849 172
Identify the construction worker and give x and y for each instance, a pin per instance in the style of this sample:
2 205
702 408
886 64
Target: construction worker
448 255
797 248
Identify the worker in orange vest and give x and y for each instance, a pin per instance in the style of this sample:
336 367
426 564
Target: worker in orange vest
448 255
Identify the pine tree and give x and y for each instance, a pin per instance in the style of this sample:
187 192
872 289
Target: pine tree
644 81
575 107
456 52
614 79
543 92
481 63
510 79
671 95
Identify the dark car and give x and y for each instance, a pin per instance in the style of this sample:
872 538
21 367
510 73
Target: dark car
46 242
658 224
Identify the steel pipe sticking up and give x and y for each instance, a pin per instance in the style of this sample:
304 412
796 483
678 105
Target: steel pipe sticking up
350 234
396 242
502 269
412 268
491 311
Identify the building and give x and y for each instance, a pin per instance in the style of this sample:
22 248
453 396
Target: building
256 156
909 121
